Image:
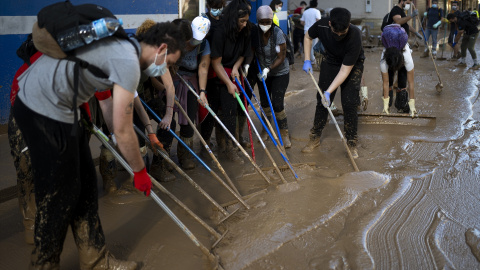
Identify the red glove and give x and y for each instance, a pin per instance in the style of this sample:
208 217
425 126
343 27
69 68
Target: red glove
154 141
142 181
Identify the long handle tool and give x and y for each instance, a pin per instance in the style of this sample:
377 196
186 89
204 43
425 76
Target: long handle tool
104 139
336 125
255 165
232 189
223 211
269 134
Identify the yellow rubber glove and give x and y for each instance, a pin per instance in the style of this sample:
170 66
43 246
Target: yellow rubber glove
385 104
413 111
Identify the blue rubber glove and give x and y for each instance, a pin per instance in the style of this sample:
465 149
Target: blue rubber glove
435 26
326 101
307 66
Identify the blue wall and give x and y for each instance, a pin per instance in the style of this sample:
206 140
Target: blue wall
10 42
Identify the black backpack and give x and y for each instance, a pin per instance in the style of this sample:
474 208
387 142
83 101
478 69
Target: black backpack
56 18
385 21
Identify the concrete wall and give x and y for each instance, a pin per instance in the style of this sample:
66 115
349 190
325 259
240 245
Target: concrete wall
356 7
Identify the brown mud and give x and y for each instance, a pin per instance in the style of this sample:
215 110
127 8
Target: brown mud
414 205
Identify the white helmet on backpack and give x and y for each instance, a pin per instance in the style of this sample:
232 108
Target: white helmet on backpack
200 27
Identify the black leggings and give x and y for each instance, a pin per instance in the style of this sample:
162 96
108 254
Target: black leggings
65 185
276 86
218 97
350 99
402 77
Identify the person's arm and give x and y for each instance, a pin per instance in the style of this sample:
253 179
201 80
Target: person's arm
123 127
202 76
307 46
236 66
222 75
142 114
386 86
157 84
399 20
340 78
411 83
170 95
458 36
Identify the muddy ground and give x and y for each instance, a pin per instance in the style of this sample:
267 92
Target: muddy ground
409 208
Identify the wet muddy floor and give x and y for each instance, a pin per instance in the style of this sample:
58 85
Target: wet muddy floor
410 207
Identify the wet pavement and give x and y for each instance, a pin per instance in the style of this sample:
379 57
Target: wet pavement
409 208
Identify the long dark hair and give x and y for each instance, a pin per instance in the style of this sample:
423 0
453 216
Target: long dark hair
274 3
231 13
165 32
394 58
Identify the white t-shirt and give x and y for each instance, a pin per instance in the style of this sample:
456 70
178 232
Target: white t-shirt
310 16
407 57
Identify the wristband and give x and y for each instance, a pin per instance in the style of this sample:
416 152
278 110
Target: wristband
203 90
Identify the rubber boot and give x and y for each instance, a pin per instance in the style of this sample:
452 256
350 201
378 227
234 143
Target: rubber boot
108 170
231 153
268 112
241 123
312 144
285 138
159 168
184 157
221 139
352 146
94 259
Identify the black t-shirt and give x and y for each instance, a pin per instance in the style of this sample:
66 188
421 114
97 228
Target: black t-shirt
396 10
467 25
347 51
229 50
214 24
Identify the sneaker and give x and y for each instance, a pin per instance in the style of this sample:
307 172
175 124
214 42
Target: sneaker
461 64
475 66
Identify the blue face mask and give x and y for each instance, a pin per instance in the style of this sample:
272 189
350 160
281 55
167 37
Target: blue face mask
155 70
434 6
216 11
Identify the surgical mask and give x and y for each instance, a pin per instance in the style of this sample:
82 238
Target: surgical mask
278 9
454 7
216 11
265 28
195 42
155 70
407 7
434 6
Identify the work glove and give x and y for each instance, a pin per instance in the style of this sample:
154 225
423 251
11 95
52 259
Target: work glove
414 13
245 68
385 104
435 26
114 140
411 104
307 66
326 100
142 181
154 141
425 13
264 74
364 97
418 35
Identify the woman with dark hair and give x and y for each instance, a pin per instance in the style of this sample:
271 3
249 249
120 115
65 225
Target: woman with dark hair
397 58
270 49
230 47
276 6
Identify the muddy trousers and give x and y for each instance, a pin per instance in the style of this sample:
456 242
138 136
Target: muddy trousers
218 97
23 167
350 98
401 76
276 86
468 42
65 186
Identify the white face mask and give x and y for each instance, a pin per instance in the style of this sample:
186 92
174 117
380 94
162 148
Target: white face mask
265 28
407 7
155 70
278 9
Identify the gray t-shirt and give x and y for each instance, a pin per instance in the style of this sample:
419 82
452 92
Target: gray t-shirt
46 87
188 64
267 57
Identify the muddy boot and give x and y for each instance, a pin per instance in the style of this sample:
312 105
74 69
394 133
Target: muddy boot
312 144
461 62
352 146
241 122
108 170
264 133
159 169
221 139
231 153
476 64
282 124
285 138
184 156
425 54
94 259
